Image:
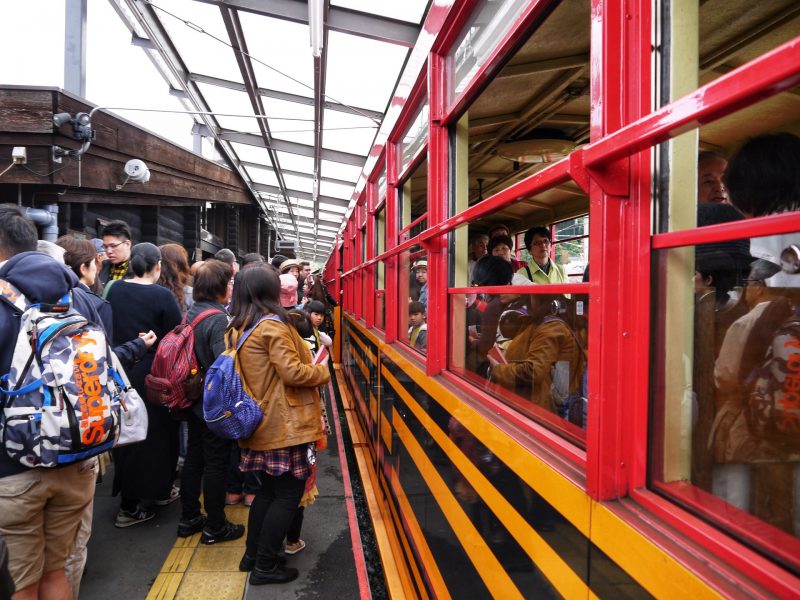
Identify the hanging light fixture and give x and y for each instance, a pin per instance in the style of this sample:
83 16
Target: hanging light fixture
315 25
537 151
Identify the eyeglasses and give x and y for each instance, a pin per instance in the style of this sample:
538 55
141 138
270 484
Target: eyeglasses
113 246
541 243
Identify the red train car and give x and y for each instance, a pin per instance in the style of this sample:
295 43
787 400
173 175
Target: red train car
608 126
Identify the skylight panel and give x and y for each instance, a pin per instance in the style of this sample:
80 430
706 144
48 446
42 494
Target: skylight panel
349 57
407 10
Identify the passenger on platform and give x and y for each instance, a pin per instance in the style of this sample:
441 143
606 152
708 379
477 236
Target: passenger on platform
710 187
316 314
276 366
545 362
226 255
40 509
175 274
420 269
79 255
503 246
277 261
207 455
117 244
305 273
763 179
478 247
252 257
291 266
145 471
541 268
417 327
288 291
319 292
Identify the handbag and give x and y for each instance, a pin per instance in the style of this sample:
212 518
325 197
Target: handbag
133 413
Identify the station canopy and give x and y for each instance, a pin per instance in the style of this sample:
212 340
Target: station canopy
294 91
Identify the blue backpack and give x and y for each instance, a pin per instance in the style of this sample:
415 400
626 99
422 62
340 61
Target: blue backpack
228 409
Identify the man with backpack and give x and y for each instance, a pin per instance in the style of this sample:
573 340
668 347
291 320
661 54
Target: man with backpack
40 508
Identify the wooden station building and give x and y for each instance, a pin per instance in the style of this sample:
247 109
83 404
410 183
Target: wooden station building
190 200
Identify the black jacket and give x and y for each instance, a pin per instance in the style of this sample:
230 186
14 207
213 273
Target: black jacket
209 339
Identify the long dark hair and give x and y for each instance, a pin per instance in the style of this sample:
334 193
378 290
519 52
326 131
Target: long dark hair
174 271
256 292
318 291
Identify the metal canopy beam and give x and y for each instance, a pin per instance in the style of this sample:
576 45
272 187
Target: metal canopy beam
239 45
291 147
302 174
344 20
287 97
271 189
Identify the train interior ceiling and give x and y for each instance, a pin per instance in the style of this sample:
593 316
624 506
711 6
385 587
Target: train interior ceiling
536 110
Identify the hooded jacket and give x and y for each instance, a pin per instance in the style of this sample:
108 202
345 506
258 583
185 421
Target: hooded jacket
41 279
275 365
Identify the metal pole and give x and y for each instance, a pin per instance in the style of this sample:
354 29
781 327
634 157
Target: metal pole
75 47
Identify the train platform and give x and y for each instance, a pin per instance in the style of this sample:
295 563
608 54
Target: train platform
149 561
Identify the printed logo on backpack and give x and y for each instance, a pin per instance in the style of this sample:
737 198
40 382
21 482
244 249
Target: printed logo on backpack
60 401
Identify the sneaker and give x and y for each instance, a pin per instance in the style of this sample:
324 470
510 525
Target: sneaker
191 526
229 531
248 499
231 499
140 515
174 494
249 562
294 547
278 574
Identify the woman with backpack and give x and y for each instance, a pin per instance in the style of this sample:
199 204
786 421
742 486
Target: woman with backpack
144 471
275 365
207 454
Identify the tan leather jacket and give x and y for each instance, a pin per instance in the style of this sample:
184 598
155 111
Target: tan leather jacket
276 368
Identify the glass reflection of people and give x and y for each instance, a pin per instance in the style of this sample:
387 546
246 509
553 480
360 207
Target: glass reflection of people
418 329
710 187
763 179
484 313
420 269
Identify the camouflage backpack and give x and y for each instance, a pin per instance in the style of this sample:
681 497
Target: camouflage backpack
60 401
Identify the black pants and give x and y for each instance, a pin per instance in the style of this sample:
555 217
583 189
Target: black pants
206 460
271 515
293 533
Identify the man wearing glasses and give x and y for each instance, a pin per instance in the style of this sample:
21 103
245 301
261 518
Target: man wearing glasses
117 244
541 269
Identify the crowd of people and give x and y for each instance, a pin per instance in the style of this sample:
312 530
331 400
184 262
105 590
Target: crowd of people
137 294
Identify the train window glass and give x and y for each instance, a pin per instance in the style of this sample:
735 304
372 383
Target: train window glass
571 246
382 183
528 350
726 387
700 41
414 137
380 272
487 24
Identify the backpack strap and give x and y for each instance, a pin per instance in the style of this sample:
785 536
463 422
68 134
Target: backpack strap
247 333
528 270
204 315
12 296
107 288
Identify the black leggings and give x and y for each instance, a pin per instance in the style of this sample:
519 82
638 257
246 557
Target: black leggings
271 515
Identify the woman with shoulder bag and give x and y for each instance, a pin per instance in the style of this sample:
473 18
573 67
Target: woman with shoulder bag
276 367
207 455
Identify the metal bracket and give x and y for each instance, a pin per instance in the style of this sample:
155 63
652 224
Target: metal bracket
613 178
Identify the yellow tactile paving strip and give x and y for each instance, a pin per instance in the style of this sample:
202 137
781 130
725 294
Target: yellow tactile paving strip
192 570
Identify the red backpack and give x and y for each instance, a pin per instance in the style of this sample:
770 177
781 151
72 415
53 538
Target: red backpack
175 380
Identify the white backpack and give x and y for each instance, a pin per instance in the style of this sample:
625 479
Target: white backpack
66 397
